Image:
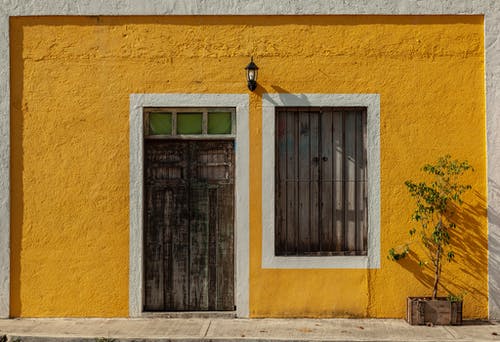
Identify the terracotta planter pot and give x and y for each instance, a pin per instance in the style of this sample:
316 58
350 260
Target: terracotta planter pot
440 311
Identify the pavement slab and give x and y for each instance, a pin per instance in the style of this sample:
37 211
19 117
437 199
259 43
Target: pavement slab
230 329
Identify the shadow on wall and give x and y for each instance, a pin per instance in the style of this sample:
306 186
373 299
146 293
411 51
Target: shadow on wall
299 97
469 243
256 20
17 108
494 250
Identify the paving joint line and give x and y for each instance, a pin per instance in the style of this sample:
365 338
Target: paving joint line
206 331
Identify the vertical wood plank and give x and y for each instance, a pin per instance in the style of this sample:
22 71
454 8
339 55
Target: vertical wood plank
213 221
365 182
176 157
225 248
153 272
169 213
359 214
314 178
281 183
179 260
292 129
198 228
304 170
350 181
198 258
338 145
327 209
225 233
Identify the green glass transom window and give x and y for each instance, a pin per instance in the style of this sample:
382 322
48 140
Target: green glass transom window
160 123
189 123
219 123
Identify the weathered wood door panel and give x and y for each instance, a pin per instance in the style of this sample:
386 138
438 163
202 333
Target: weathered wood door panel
189 225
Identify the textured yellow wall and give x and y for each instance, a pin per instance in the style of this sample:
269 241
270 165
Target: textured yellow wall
71 78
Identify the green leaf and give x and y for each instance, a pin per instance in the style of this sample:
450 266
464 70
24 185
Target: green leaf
450 256
395 256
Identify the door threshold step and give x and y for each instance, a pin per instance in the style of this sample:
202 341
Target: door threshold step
189 314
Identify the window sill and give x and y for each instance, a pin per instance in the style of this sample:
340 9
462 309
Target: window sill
314 262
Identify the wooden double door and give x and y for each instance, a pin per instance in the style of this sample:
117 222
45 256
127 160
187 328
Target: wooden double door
188 225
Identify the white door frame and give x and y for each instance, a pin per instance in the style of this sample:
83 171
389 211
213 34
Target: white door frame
241 189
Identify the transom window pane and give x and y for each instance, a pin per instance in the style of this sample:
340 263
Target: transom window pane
189 123
160 123
219 123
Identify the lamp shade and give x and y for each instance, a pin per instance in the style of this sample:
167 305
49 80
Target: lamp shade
251 75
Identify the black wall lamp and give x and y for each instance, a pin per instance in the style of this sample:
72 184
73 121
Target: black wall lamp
252 69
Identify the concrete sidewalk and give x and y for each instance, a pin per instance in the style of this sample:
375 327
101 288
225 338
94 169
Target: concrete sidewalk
221 329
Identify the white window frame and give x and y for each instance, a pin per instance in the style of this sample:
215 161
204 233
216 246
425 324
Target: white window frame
269 104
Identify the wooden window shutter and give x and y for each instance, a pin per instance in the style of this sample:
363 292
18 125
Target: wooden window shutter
321 181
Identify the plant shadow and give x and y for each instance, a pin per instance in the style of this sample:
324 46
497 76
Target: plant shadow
470 245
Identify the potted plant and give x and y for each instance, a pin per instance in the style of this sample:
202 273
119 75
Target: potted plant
435 200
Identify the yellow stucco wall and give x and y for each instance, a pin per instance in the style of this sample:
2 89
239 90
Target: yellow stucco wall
71 78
